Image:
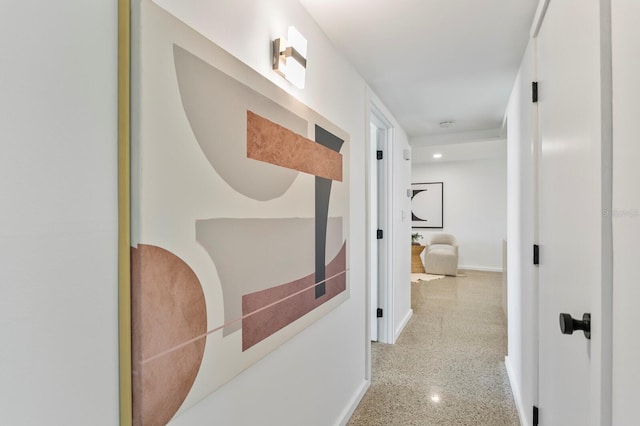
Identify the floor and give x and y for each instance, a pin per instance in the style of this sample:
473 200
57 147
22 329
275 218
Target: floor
447 367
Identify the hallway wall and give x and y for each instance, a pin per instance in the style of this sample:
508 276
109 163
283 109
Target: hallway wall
58 248
58 214
321 369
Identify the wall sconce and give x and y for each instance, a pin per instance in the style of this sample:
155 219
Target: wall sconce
290 57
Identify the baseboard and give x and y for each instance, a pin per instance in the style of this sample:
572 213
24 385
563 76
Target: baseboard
481 268
353 403
402 325
515 390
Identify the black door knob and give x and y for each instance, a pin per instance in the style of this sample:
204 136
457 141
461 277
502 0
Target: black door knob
568 324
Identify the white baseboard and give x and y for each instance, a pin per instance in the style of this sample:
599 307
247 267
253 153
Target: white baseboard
402 325
353 403
515 389
481 268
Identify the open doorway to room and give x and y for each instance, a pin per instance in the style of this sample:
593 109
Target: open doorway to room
462 225
379 228
449 360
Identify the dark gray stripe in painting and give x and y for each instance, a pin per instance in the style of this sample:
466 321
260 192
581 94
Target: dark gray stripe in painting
323 194
252 255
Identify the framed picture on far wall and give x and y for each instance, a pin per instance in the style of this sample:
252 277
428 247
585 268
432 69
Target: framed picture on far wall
426 205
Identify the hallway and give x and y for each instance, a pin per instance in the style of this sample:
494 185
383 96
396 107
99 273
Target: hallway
447 367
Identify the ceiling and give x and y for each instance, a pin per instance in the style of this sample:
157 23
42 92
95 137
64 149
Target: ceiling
464 151
431 61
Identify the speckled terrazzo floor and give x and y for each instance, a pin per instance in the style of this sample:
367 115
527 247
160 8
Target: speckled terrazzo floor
447 367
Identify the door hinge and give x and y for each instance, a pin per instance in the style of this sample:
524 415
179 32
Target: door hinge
379 155
536 254
534 91
379 313
379 234
535 416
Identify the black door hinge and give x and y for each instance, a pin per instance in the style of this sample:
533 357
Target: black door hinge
536 254
379 155
535 416
379 313
534 91
379 234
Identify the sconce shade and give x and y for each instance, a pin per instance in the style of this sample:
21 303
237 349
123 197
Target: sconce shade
289 57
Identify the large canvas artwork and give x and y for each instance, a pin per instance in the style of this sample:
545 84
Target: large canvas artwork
239 221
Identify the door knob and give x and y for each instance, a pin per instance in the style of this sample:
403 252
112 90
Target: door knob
568 324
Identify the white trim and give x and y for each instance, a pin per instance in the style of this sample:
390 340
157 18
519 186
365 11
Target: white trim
515 390
481 268
385 296
372 248
369 243
402 325
541 11
389 235
606 288
353 404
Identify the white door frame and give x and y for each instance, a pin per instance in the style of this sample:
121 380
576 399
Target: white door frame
625 213
372 216
384 287
385 214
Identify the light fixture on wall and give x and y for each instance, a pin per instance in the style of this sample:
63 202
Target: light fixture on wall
290 57
437 155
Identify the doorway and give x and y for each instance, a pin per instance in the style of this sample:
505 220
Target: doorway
379 231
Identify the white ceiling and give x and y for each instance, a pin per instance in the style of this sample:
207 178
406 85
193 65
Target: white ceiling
433 60
476 150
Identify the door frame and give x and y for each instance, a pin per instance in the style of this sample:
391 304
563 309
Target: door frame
372 220
376 117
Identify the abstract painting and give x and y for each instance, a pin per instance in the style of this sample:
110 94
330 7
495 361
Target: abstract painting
427 205
239 216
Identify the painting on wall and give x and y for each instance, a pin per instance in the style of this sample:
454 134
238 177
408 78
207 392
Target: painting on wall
239 216
427 205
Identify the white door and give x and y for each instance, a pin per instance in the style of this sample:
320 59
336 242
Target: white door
570 212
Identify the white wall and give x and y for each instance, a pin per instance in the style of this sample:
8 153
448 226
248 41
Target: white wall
626 213
522 360
317 376
58 223
401 246
475 207
58 213
321 369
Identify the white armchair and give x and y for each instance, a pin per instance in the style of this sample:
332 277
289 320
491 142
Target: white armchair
441 255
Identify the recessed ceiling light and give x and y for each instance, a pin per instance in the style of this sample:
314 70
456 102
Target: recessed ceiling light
446 124
437 155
